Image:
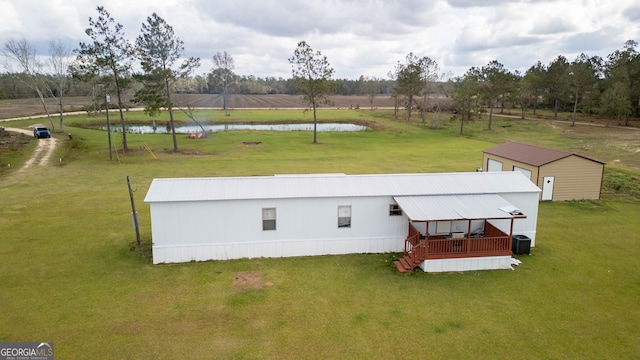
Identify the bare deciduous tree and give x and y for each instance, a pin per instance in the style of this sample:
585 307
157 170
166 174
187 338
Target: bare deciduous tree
371 88
222 76
430 75
59 59
24 54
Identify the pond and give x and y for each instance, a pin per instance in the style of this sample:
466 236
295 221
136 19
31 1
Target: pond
194 129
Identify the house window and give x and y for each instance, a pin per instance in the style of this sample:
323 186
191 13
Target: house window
394 210
269 219
344 216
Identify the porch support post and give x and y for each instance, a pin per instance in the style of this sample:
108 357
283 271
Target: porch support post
426 239
511 229
406 240
510 233
469 237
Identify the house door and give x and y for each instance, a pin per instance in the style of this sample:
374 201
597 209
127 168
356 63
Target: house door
547 187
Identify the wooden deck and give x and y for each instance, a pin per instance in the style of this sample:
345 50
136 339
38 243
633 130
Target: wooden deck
417 248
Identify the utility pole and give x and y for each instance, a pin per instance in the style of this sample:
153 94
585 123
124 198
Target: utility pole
134 213
106 102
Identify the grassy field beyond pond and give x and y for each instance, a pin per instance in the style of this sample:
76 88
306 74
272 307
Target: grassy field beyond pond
68 273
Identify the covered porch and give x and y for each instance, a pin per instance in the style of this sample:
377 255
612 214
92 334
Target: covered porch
456 227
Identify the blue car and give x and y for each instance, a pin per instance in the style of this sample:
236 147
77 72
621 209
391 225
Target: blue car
41 132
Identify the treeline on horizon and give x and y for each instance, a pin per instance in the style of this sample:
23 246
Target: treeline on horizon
11 88
606 86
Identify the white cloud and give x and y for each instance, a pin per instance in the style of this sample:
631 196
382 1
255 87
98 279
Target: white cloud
359 37
11 20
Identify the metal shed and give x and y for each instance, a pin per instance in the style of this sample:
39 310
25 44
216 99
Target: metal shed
559 174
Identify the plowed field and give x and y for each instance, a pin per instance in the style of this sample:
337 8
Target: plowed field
32 107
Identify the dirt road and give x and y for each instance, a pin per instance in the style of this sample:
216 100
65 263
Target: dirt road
43 152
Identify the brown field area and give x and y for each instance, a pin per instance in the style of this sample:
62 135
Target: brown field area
10 109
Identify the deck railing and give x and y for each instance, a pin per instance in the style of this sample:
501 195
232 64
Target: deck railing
468 247
414 246
493 242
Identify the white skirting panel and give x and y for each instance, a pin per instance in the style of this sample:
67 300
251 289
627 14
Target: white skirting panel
467 264
273 249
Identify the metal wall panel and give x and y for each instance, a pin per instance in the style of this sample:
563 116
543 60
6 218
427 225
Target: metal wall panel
221 218
218 230
467 264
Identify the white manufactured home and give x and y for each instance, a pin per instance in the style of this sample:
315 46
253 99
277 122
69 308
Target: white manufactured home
442 222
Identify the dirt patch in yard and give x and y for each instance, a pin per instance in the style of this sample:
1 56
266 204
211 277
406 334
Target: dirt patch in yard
248 280
253 280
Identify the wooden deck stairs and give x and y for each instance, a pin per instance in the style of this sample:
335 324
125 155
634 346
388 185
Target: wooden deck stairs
406 263
414 252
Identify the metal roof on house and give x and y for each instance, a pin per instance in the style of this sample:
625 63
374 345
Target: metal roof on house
336 185
452 207
530 154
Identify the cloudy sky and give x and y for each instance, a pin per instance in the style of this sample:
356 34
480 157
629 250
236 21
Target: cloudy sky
359 37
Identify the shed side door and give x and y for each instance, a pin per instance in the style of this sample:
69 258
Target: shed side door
547 188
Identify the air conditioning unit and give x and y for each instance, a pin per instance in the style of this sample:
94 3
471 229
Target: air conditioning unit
521 244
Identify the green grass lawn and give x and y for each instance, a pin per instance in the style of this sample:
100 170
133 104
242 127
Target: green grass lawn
69 273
